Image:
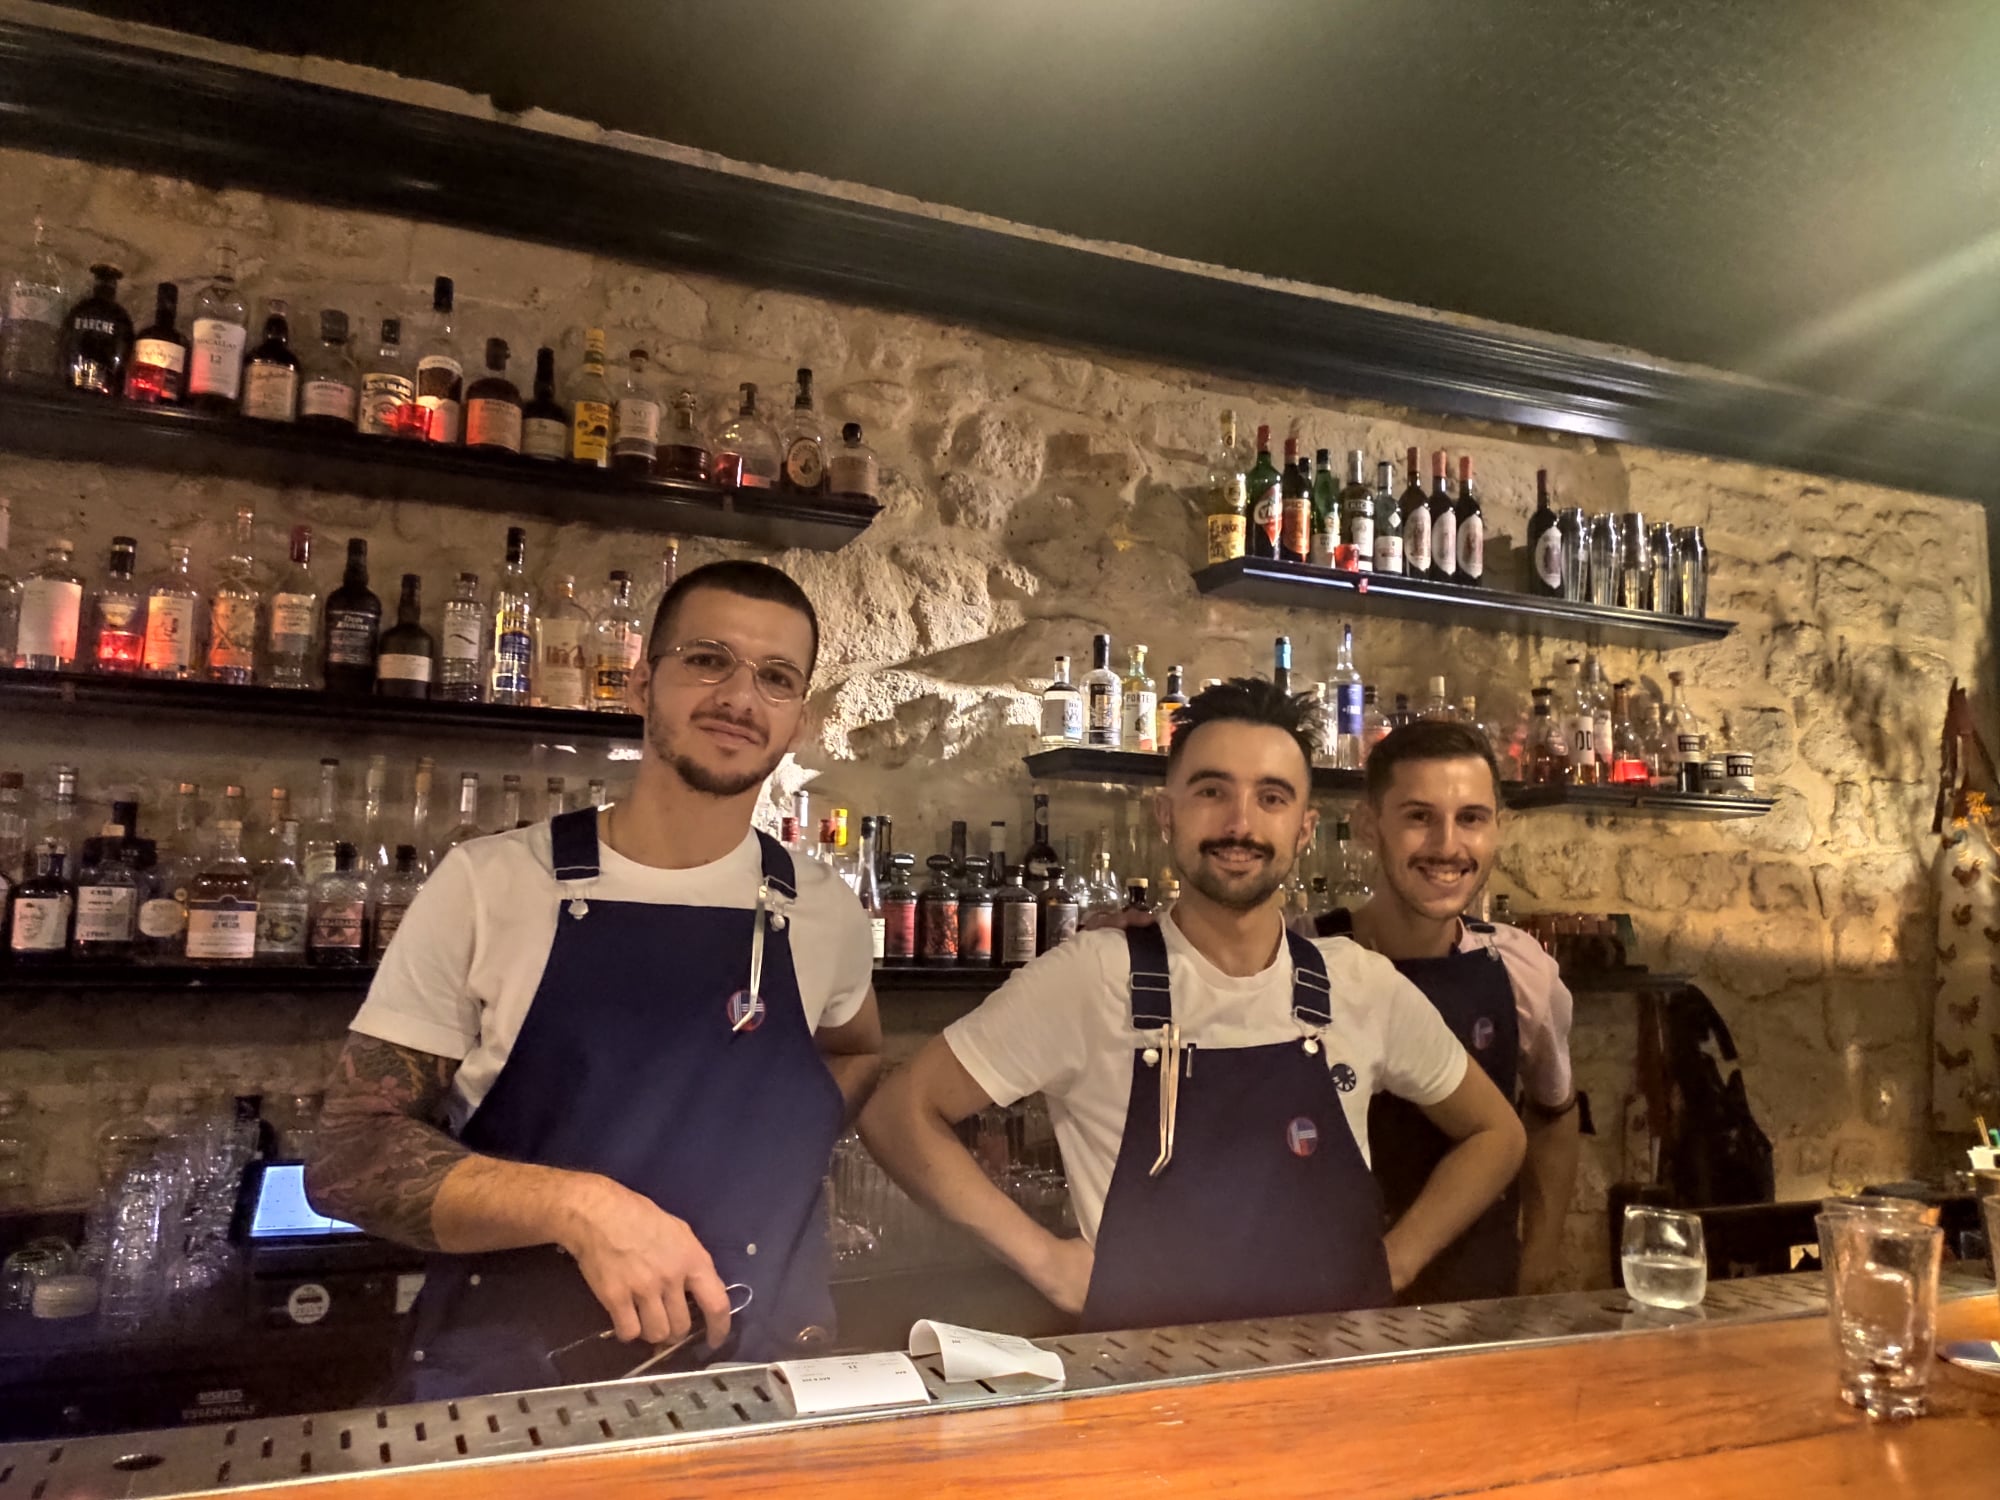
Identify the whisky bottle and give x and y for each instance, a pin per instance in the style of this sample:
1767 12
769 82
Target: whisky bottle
1062 709
288 644
560 630
493 405
1228 492
1103 713
219 335
590 406
683 450
271 370
118 614
337 929
615 642
234 607
51 610
544 424
403 670
172 606
329 381
1138 704
349 644
222 902
388 394
440 372
747 454
157 373
97 338
635 419
852 470
394 891
1172 701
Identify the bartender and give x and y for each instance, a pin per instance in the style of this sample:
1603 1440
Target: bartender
1432 817
1208 1077
603 1064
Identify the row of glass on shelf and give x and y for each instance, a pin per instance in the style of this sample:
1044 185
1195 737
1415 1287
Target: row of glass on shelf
509 645
52 339
1302 513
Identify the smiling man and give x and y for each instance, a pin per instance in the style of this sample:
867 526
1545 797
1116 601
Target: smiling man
606 1057
1209 1076
1432 815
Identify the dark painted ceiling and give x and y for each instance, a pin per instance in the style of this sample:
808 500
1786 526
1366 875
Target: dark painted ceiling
1803 189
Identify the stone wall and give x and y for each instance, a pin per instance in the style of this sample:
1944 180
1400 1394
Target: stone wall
1035 494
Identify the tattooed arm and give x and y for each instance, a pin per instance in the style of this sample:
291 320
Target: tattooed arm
384 1165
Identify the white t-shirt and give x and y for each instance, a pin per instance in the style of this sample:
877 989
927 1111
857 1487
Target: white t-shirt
463 968
1063 1027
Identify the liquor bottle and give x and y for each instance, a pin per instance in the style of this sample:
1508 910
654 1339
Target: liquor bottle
493 405
468 826
63 824
329 379
683 450
1471 522
1103 713
10 590
463 643
388 394
1400 714
322 831
1347 705
172 607
97 338
937 914
868 887
417 824
337 928
1264 489
1444 524
353 618
1281 664
1597 691
263 849
271 370
1436 706
1388 522
1014 921
13 834
51 610
1357 517
1172 701
42 907
219 335
1690 739
233 608
1058 910
746 450
283 902
288 642
960 869
1628 749
157 372
1138 705
1374 726
510 805
37 296
1228 497
395 889
1416 521
1576 551
544 426
995 872
1295 508
596 793
1545 553
1577 706
1548 744
616 639
1062 709
222 902
803 442
403 670
590 406
440 372
635 419
852 470
1326 521
107 889
561 630
1041 858
899 911
118 614
975 918
163 909
373 847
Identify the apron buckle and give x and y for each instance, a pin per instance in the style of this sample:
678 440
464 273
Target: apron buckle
1170 1095
751 1010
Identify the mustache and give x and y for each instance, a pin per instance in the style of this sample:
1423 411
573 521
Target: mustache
1247 846
735 721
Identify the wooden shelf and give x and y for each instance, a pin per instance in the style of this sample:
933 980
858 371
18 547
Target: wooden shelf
1136 768
185 978
1298 586
963 979
176 440
1645 803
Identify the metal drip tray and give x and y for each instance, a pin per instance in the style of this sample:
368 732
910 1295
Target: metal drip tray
688 1408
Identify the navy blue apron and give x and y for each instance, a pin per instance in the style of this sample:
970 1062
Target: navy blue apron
1474 994
1266 1208
626 1066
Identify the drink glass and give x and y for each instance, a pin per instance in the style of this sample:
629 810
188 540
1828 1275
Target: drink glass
1882 1288
1606 559
1635 569
1663 1256
1694 572
1573 528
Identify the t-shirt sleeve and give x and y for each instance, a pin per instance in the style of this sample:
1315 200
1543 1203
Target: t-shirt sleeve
1543 1009
422 995
1028 1036
1421 1060
849 953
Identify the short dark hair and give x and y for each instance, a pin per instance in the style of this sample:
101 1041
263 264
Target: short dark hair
1427 739
751 580
1249 700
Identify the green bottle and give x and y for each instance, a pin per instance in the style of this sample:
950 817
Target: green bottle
1266 500
1325 511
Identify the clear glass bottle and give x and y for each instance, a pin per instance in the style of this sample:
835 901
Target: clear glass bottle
635 419
852 469
493 405
510 805
590 406
670 569
1227 491
222 902
868 887
440 371
330 380
746 450
544 423
261 845
467 826
374 845
1437 703
1596 693
417 826
218 337
323 829
13 830
108 889
555 798
271 370
388 393
616 639
234 608
163 911
1374 724
62 824
350 641
10 588
51 611
1548 742
403 670
156 375
1347 748
1628 748
394 891
173 608
97 338
1690 738
43 906
291 629
1103 712
337 924
38 293
462 644
1062 709
118 614
1576 719
562 629
803 441
20 1154
283 902
1138 703
596 793
510 668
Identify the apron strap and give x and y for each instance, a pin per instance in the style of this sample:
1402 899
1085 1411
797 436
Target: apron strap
1312 991
1152 991
778 870
573 844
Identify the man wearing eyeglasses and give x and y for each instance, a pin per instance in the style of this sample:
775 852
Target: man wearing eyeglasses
604 1062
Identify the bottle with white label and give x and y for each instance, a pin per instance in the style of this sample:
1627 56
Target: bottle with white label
163 908
1471 528
804 441
1103 712
43 904
544 423
852 470
233 609
1062 709
108 889
172 609
462 644
1138 702
271 370
1545 543
37 296
617 637
562 627
635 419
222 902
1416 521
349 644
403 670
440 372
330 388
388 394
510 627
220 334
337 929
493 405
282 900
51 610
293 623
396 888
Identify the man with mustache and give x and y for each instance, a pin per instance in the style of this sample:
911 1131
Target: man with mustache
603 1065
1431 815
1208 1076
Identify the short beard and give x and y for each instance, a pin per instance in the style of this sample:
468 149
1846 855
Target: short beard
1233 897
698 777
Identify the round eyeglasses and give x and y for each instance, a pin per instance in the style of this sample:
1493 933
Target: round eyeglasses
777 679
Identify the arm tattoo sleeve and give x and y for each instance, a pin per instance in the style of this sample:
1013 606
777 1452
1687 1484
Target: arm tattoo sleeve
381 1157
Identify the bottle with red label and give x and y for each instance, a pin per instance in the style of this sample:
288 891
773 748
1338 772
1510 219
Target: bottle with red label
1265 487
937 914
899 911
156 375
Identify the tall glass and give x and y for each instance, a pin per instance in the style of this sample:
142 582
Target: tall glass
1882 1287
1635 564
1607 557
1573 529
1664 591
1694 572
